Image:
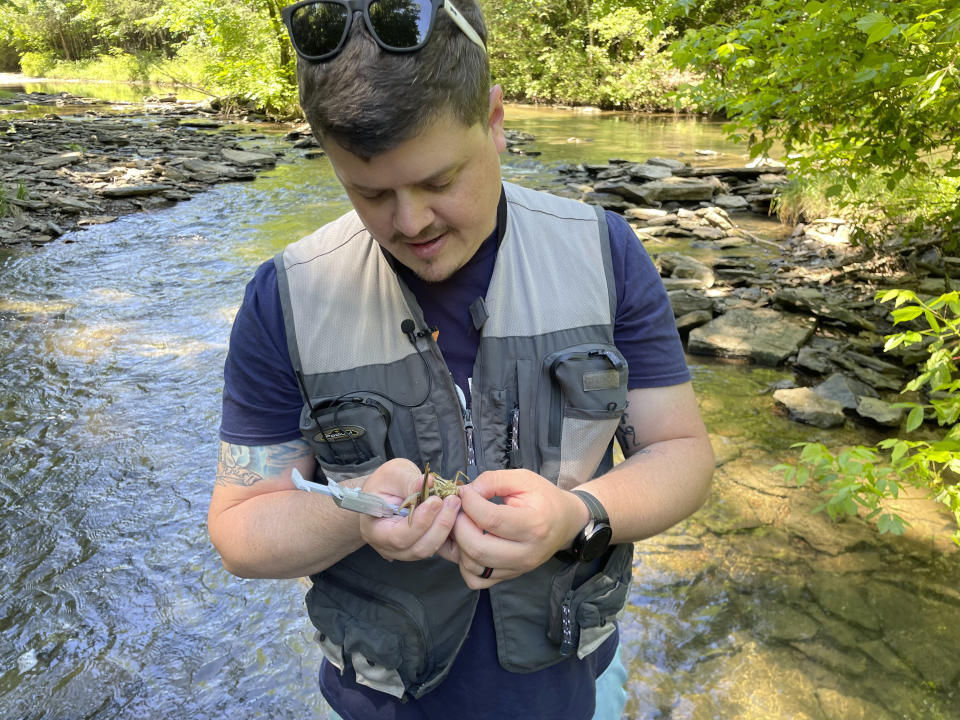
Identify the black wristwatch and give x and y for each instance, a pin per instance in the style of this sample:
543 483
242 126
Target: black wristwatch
591 542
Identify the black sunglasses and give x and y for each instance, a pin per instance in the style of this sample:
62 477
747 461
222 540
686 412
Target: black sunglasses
318 28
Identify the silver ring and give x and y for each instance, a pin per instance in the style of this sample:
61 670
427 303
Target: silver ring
487 572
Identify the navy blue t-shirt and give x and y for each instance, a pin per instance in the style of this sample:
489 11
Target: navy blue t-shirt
262 404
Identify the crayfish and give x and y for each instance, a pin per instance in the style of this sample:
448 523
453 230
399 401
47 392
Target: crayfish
434 485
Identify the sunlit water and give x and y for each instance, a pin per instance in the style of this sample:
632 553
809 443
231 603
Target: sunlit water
115 605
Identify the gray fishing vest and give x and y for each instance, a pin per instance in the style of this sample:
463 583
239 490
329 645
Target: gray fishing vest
548 390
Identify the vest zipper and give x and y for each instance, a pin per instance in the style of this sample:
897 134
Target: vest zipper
468 431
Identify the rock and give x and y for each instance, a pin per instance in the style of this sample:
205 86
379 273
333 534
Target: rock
69 204
632 192
649 215
247 158
835 661
815 357
95 220
693 319
675 166
828 231
716 217
687 301
745 173
193 122
126 191
816 302
59 161
784 623
608 201
837 706
649 171
871 377
846 600
663 231
678 189
902 612
804 405
671 283
879 411
845 390
680 266
731 202
763 335
708 233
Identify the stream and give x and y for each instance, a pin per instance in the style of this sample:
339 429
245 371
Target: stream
115 605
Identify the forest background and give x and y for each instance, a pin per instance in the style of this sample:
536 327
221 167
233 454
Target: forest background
861 98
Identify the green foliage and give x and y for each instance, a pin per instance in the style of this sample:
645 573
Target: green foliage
867 476
593 52
825 194
242 47
853 87
37 64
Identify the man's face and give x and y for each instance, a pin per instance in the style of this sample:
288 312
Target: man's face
432 200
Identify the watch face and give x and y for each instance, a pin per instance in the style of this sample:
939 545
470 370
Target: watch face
596 543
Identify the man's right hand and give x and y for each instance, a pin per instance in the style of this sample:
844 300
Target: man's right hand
426 533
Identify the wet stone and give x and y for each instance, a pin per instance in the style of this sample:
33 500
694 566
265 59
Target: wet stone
784 623
837 706
842 597
901 613
832 659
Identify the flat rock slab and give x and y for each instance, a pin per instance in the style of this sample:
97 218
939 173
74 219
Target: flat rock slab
679 189
764 336
806 406
126 191
246 157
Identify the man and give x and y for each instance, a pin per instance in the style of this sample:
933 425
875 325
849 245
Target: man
485 329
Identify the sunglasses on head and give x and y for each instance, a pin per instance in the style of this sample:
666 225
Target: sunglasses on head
318 28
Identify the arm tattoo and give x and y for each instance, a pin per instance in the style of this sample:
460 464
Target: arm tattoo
244 466
627 437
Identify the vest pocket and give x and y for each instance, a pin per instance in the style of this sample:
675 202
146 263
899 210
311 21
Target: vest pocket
582 618
377 629
348 435
586 399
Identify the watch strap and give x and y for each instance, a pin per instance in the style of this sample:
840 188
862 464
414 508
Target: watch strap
597 511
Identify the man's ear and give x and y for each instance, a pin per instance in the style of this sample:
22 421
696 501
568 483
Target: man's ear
495 119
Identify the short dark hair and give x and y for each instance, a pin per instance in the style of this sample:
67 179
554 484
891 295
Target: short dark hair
368 100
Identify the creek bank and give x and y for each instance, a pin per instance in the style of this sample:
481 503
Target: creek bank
806 302
65 172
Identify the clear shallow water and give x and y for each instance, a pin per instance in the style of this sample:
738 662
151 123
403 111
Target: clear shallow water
115 605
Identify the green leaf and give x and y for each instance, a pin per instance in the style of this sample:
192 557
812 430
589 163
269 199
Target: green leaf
914 419
905 314
899 450
877 27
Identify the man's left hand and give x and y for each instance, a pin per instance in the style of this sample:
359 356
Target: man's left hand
535 520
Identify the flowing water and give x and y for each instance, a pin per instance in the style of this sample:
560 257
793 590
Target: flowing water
114 604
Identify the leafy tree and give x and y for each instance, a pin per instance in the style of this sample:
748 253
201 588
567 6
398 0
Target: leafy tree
242 44
597 52
853 87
